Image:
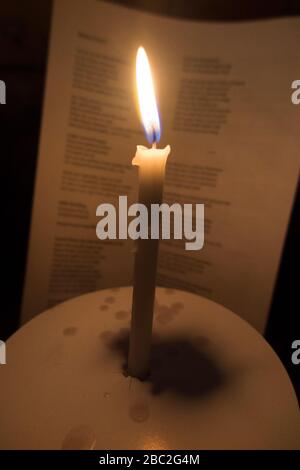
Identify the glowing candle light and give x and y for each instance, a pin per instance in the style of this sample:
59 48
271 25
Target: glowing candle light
151 163
146 97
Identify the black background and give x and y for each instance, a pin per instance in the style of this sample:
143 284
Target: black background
24 32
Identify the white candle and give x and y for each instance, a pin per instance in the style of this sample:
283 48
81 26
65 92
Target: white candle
151 163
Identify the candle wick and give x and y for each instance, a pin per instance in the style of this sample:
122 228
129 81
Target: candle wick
154 145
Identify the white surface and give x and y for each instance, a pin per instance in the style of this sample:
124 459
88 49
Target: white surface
63 386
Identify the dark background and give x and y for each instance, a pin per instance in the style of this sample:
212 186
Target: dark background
24 31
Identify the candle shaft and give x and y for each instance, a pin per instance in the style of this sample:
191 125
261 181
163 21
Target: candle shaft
151 180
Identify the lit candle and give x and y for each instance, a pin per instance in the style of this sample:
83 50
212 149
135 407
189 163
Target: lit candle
151 163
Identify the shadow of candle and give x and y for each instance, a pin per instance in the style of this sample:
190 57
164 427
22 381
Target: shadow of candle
180 365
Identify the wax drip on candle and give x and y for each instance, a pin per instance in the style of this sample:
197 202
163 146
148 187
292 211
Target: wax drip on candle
70 331
80 438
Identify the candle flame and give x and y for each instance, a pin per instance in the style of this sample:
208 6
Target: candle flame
146 97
